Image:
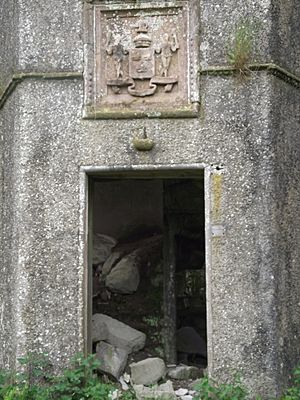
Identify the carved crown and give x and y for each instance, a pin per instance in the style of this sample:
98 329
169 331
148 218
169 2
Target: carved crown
142 39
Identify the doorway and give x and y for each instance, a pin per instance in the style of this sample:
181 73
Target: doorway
147 261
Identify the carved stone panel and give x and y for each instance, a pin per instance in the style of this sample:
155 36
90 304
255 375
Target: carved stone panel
141 59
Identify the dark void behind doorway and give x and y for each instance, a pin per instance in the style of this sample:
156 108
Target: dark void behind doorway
148 261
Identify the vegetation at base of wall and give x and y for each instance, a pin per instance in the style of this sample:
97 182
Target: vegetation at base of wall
208 389
294 392
34 381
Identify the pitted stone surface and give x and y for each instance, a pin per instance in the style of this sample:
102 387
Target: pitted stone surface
249 128
234 130
219 31
50 35
8 41
285 34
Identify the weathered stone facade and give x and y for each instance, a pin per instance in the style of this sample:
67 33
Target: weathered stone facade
245 136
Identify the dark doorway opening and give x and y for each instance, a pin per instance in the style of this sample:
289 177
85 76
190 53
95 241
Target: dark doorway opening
148 262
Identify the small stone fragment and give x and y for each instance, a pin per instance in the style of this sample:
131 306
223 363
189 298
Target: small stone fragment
126 377
113 360
181 392
124 385
187 397
148 371
158 392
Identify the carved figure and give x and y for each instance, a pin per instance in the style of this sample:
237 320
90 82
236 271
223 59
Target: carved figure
168 47
118 54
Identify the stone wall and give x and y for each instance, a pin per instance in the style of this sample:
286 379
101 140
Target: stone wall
285 36
9 174
220 22
252 274
286 214
8 41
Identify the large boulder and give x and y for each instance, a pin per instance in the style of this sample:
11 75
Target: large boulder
113 359
190 342
111 261
185 372
145 250
117 333
124 277
98 328
148 371
102 247
164 391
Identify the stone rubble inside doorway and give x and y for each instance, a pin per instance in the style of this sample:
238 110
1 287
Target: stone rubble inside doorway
127 321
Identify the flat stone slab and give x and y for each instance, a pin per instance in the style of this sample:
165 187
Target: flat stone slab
148 371
117 333
113 359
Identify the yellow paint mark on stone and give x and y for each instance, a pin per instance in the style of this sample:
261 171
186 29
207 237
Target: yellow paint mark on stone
217 197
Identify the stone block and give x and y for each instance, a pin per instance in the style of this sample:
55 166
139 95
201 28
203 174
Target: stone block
148 371
113 359
124 277
98 328
185 372
118 334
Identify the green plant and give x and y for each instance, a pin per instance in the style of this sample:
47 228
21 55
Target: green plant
154 333
294 392
152 321
28 382
208 389
80 381
129 395
241 50
34 382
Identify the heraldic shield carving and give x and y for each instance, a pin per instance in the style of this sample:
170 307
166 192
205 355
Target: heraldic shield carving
141 59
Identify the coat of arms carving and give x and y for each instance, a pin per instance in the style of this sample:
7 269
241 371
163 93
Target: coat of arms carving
141 60
143 64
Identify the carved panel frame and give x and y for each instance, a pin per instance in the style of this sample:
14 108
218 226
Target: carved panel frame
141 59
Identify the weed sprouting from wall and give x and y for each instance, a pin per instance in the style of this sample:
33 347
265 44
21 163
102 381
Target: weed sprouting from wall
241 50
